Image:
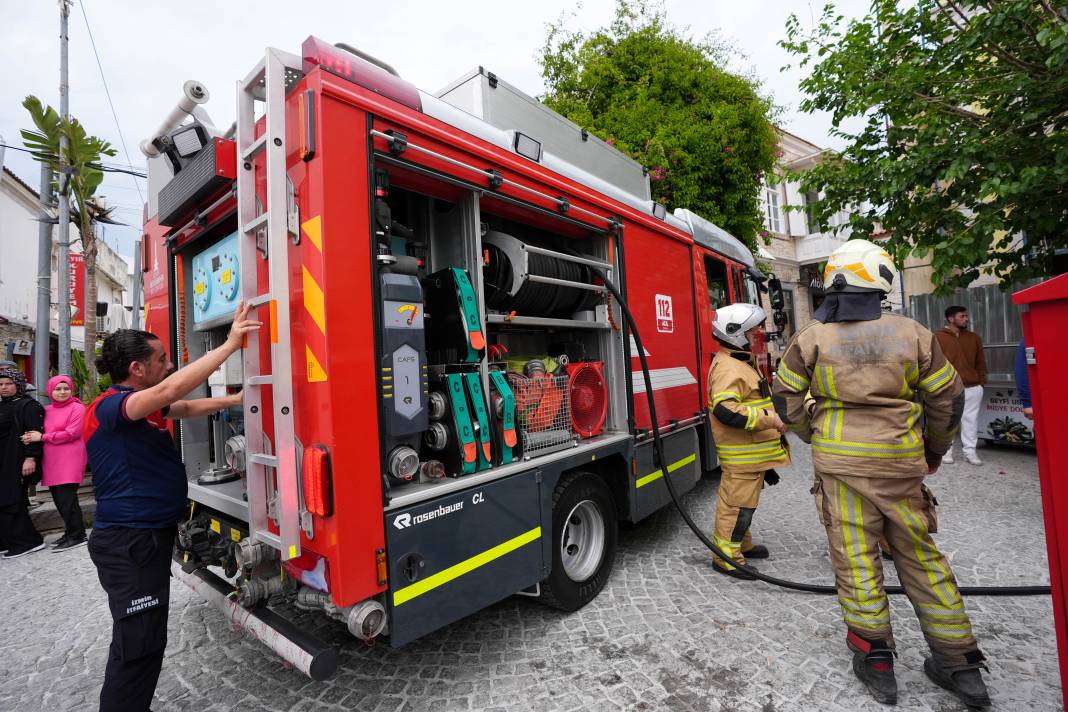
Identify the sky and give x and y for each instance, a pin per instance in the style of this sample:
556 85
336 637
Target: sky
148 49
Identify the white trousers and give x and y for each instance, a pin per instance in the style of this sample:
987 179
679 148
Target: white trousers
969 421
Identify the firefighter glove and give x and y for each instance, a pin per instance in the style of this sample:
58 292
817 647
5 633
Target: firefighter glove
771 478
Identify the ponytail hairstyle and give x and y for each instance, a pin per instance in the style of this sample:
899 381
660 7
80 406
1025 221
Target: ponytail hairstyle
122 348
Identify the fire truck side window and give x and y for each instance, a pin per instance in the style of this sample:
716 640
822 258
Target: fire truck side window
716 276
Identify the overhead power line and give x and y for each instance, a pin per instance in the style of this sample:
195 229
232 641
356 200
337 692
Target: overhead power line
107 93
114 168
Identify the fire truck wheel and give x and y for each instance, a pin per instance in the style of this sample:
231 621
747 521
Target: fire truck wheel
584 541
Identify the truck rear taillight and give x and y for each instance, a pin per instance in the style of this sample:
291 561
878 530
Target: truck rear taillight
317 485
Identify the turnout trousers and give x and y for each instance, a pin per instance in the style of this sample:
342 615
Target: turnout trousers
857 511
736 501
133 566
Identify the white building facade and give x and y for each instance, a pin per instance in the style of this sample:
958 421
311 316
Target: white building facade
18 276
797 246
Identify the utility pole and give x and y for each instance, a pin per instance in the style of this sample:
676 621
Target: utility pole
63 267
43 328
135 322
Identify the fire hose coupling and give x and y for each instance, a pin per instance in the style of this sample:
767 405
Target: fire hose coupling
403 463
252 591
250 554
365 620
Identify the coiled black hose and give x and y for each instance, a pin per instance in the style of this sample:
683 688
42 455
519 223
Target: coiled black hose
784 583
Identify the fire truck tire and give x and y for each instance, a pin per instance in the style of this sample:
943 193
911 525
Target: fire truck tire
584 541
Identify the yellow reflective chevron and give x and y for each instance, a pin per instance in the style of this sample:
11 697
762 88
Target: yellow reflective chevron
732 549
938 380
870 609
725 396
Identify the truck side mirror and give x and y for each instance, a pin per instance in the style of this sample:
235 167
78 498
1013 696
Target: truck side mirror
775 295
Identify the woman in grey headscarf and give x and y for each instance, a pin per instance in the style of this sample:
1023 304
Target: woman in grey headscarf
18 414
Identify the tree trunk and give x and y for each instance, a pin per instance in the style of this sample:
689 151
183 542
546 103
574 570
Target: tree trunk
89 249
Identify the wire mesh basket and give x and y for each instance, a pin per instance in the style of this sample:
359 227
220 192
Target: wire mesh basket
543 412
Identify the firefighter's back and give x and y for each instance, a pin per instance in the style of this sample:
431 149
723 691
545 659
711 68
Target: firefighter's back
864 380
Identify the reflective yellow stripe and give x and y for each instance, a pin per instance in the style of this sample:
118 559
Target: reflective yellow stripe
731 548
910 436
660 473
871 450
763 445
939 379
457 570
759 403
927 555
750 418
724 396
949 631
794 380
856 545
873 605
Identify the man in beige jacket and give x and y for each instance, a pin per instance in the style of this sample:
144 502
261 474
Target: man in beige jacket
880 404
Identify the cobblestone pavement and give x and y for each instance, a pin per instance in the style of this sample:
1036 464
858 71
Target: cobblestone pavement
667 633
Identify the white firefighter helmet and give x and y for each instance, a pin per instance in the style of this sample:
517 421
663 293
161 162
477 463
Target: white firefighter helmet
732 321
859 265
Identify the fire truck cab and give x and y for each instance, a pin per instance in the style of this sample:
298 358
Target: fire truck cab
445 407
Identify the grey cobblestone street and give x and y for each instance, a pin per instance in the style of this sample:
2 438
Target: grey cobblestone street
667 633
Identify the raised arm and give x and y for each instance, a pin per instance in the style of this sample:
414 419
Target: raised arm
178 385
202 406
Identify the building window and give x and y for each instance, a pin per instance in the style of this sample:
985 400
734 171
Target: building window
812 198
769 202
101 324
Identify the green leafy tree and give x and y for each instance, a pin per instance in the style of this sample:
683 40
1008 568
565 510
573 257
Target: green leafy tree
665 99
82 159
960 146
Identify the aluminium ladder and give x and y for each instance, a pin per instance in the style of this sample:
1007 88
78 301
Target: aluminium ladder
273 478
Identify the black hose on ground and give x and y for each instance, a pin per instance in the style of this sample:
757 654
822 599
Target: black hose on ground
662 463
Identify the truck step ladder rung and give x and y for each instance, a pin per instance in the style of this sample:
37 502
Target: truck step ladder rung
268 538
261 459
257 222
249 153
273 481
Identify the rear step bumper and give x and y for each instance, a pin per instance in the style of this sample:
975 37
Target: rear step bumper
302 650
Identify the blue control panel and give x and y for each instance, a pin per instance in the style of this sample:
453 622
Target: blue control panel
215 280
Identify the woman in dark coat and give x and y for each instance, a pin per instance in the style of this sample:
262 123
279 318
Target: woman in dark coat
18 414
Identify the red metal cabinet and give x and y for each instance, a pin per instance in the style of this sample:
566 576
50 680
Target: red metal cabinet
1045 316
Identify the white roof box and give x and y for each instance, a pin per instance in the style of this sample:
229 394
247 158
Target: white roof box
483 95
716 238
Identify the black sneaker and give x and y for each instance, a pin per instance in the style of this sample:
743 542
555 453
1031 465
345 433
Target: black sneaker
732 572
14 554
876 671
966 684
759 551
59 541
66 544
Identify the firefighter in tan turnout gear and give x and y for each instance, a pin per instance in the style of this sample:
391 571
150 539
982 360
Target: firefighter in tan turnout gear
747 431
880 405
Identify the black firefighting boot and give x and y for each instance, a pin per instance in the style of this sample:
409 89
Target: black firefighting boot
873 664
759 551
733 572
967 683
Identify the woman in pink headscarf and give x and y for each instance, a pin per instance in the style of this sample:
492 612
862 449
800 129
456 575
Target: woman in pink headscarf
64 457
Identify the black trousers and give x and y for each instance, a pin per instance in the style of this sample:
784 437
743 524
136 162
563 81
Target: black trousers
133 566
66 499
16 528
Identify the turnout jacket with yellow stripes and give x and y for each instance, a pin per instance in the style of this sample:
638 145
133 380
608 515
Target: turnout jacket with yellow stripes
741 415
875 398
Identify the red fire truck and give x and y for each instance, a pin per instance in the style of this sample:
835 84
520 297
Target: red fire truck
444 407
